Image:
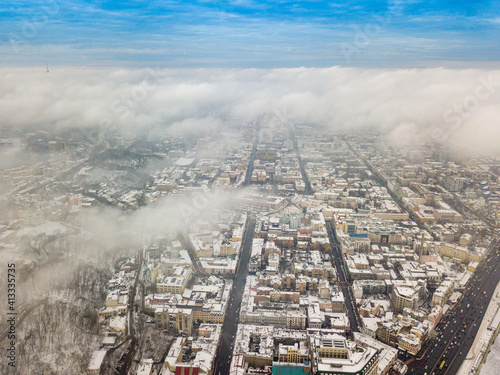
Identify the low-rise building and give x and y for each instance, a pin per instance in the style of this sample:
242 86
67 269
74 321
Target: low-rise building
95 364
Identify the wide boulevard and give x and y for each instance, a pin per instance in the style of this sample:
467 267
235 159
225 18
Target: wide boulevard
456 331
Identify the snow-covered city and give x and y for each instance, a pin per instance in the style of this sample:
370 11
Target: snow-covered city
249 187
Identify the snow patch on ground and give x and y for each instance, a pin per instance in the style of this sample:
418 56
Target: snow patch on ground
49 228
492 362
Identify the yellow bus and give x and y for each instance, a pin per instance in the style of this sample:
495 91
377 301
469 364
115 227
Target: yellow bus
442 365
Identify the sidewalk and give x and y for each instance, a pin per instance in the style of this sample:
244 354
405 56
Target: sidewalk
484 334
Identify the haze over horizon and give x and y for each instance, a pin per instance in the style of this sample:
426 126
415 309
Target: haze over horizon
457 107
412 69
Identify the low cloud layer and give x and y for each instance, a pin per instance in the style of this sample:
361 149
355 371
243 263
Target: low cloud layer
456 106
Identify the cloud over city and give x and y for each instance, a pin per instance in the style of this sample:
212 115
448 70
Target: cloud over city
449 105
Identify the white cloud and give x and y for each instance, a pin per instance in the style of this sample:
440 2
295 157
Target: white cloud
194 98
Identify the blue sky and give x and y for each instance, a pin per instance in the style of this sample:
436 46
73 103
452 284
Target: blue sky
250 33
